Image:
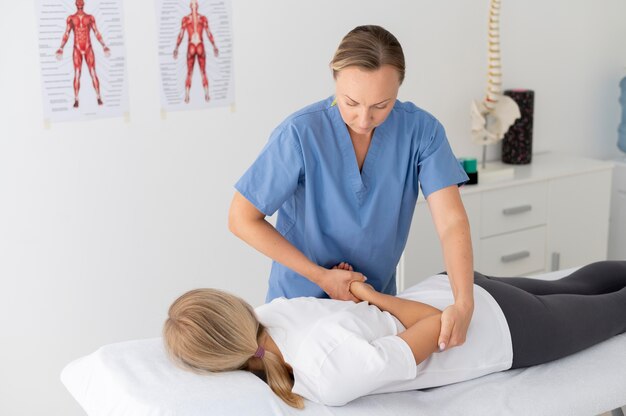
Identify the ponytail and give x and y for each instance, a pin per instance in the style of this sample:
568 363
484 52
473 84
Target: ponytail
278 378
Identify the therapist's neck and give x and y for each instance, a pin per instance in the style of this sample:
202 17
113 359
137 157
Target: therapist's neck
255 364
360 136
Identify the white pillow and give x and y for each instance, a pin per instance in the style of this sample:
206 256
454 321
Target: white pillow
137 378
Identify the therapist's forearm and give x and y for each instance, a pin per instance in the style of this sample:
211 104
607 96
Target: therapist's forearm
456 245
262 235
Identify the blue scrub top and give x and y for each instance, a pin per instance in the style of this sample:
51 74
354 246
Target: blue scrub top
332 212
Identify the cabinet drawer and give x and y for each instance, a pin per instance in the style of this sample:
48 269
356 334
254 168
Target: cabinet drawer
514 208
513 254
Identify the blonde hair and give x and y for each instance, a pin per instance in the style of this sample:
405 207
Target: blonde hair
369 47
208 330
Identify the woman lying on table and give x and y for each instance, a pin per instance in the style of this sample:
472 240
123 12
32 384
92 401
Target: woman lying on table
333 351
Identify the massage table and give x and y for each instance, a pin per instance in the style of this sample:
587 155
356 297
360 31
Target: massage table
136 378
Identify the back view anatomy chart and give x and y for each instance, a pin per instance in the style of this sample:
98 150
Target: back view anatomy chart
195 25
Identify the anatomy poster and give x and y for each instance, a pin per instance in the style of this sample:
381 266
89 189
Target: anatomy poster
83 62
195 53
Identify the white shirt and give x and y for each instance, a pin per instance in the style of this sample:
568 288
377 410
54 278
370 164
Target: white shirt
341 350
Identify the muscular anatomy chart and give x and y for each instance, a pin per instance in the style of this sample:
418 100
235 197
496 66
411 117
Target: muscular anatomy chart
82 24
81 42
194 25
195 53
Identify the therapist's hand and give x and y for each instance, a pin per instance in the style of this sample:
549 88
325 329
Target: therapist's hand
455 321
336 281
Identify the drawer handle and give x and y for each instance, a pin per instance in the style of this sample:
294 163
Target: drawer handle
515 256
517 210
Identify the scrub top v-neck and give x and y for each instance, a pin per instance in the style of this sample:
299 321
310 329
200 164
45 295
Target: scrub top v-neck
333 212
359 177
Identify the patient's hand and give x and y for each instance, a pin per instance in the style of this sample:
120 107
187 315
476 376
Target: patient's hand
362 291
336 281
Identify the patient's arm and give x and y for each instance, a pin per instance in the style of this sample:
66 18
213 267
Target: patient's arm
407 311
422 337
422 322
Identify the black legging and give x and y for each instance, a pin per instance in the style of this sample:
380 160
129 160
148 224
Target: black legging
550 319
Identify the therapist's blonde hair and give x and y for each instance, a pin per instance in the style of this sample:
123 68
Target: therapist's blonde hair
369 47
208 330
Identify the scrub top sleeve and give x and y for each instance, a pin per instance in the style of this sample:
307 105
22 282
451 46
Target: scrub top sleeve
275 174
437 167
358 367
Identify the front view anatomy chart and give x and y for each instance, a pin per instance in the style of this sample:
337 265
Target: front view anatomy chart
83 59
82 24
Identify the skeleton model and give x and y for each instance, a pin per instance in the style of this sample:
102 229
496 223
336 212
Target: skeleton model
492 117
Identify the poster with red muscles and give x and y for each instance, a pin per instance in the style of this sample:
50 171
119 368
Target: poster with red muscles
195 53
83 59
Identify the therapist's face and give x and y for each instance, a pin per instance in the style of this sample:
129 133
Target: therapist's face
366 97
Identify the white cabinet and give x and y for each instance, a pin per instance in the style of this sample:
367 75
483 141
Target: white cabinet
513 254
513 208
553 214
578 219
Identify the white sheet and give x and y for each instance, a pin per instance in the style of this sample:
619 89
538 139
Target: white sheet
136 378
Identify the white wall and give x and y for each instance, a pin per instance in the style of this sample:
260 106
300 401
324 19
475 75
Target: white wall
104 223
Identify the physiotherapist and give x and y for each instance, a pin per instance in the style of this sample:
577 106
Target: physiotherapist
344 175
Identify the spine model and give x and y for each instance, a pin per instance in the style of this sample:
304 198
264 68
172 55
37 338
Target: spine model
494 75
492 117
